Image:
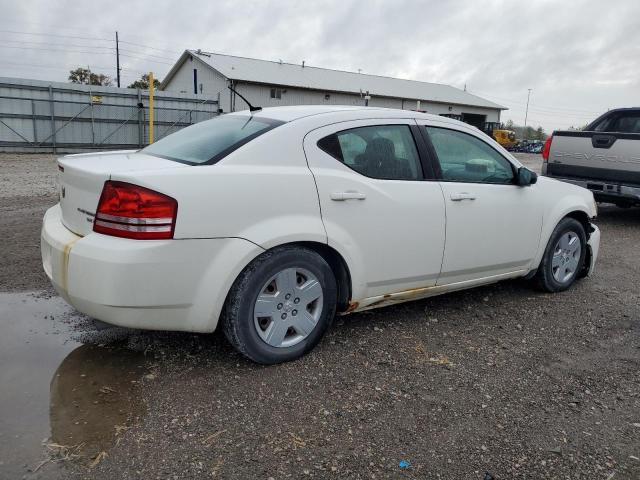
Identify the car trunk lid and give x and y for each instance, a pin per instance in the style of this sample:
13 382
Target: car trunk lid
81 179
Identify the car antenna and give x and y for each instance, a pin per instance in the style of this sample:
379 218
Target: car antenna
251 107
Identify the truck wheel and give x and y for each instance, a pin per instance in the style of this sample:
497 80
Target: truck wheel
563 258
280 305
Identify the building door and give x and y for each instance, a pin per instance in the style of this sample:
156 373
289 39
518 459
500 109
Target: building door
474 119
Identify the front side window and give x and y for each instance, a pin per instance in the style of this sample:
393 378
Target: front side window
465 158
383 151
209 141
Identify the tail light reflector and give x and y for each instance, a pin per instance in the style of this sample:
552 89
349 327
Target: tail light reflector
546 149
130 211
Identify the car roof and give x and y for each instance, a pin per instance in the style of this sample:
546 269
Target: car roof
624 109
292 113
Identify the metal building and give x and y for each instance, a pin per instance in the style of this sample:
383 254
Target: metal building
270 84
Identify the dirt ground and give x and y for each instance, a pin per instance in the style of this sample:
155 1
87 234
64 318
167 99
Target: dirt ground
500 379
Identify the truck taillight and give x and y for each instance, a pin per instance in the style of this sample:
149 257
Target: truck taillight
546 149
130 211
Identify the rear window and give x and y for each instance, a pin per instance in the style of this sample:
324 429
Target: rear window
209 141
627 121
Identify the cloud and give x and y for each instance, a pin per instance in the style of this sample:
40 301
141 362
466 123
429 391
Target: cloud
577 57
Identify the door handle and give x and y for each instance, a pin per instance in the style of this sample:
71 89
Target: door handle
349 195
458 197
603 141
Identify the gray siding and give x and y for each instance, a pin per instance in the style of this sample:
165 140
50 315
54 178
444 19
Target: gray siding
258 94
212 82
261 95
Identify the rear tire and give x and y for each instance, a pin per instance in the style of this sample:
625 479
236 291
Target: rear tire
281 305
563 258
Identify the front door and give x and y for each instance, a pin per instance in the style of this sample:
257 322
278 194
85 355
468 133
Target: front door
493 225
379 210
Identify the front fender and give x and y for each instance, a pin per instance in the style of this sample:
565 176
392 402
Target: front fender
558 210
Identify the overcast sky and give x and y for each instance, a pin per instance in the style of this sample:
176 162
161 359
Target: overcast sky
579 57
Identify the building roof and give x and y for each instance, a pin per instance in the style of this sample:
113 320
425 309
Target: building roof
315 78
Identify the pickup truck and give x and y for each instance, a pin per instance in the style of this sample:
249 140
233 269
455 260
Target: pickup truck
604 157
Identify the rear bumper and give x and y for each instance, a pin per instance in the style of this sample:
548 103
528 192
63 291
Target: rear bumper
606 191
149 284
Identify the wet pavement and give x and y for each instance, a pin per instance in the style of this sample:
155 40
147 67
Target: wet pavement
67 386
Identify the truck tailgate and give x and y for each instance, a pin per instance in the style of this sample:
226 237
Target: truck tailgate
613 157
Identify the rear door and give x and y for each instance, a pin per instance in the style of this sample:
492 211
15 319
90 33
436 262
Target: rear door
378 206
493 225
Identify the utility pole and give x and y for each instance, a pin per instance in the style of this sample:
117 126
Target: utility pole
151 87
117 60
524 133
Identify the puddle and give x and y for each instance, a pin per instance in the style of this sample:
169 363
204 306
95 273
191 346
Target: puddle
66 390
91 399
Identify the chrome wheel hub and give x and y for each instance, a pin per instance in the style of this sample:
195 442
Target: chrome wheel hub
566 257
288 307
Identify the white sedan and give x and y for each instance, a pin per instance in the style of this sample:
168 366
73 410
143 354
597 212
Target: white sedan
270 222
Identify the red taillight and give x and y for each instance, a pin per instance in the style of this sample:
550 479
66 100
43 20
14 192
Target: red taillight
130 211
546 149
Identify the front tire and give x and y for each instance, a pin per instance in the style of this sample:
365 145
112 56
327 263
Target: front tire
280 305
563 258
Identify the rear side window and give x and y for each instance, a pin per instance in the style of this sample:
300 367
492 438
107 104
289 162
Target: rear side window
622 122
209 141
385 152
628 123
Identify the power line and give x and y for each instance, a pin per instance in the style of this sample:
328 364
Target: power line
150 47
20 42
67 69
148 60
541 107
38 45
55 50
13 21
519 102
147 54
16 32
137 57
56 35
541 112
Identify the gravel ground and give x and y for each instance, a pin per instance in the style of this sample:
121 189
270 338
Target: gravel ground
27 189
500 379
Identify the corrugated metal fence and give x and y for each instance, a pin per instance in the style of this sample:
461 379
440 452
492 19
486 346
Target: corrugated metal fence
37 116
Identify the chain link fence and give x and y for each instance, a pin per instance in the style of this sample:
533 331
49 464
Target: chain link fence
40 116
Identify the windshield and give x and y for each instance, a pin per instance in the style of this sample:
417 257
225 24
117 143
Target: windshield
209 141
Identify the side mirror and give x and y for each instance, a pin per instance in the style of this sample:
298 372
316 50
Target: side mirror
526 177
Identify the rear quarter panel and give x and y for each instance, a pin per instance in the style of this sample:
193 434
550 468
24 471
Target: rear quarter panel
263 192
